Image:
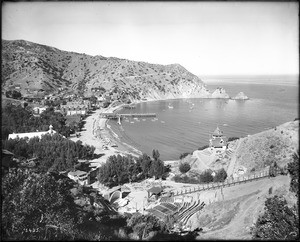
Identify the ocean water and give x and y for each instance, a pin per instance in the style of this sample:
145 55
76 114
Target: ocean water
187 126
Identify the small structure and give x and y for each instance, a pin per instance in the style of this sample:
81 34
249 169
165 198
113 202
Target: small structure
79 176
39 110
154 190
218 140
32 134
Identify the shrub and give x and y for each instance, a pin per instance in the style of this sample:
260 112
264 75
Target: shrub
184 155
186 179
232 138
184 167
203 147
206 177
220 176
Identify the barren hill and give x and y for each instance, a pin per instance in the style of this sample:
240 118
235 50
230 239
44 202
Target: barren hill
33 66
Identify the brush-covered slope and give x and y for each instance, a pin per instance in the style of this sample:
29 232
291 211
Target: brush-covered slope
33 66
273 145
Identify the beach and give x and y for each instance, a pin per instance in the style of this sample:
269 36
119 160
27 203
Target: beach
98 133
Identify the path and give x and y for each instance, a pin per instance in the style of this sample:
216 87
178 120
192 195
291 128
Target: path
233 160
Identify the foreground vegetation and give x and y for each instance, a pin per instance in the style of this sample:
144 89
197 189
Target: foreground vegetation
21 120
122 169
280 221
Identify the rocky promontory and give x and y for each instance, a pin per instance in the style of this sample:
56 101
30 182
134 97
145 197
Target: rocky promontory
219 93
240 96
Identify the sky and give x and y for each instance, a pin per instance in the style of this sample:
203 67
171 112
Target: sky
207 38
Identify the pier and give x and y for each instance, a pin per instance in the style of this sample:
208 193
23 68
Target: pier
123 115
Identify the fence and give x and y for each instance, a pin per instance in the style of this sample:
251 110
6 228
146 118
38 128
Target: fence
228 183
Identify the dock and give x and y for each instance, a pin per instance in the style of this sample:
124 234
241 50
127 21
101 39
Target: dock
123 115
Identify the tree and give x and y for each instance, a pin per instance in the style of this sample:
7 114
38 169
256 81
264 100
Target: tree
34 202
155 154
206 177
220 176
293 169
184 167
279 222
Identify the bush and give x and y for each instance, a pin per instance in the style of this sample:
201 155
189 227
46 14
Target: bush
279 222
232 138
183 155
184 167
220 176
206 177
186 179
203 147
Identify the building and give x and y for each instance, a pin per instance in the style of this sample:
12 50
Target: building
39 110
218 140
79 107
81 177
32 134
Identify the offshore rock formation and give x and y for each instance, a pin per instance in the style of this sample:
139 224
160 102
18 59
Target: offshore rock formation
240 96
219 93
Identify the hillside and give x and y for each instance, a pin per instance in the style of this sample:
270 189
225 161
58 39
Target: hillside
33 66
251 153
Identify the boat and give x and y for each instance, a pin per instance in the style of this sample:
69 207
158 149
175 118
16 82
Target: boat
170 106
132 122
162 122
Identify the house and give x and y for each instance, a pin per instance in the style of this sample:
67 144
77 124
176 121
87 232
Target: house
218 140
32 134
81 177
39 110
78 107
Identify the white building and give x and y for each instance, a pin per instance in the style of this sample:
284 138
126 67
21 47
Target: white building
32 134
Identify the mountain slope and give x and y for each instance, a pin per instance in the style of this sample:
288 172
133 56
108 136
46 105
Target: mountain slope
33 66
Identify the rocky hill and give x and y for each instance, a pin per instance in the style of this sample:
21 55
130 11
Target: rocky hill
33 66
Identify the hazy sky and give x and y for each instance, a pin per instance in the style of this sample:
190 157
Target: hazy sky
212 38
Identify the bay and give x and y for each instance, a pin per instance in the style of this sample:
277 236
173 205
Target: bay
187 126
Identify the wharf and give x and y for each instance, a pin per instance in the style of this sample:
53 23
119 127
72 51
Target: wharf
123 115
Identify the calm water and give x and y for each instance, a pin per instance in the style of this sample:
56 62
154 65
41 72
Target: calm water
187 126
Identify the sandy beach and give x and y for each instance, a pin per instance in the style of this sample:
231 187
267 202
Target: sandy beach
97 132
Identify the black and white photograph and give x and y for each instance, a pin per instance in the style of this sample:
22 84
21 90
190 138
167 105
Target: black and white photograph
150 120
